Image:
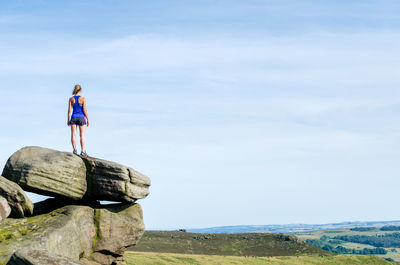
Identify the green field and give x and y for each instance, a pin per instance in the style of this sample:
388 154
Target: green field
145 258
357 241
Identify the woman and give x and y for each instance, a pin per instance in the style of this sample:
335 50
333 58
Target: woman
79 117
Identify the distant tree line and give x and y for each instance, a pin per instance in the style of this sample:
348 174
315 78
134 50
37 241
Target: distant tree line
385 240
370 228
363 229
390 228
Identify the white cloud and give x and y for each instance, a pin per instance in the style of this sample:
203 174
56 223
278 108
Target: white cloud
10 19
313 58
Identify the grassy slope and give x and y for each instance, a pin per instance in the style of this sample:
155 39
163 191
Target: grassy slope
253 244
142 258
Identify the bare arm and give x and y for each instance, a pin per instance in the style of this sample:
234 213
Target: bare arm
85 111
69 110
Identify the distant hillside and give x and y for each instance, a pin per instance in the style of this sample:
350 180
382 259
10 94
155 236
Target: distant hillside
253 244
289 228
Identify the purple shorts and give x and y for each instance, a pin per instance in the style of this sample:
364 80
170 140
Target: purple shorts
78 121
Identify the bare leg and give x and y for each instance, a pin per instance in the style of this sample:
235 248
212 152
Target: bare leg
82 136
73 136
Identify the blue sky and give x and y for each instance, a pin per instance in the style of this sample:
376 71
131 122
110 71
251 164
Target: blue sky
241 112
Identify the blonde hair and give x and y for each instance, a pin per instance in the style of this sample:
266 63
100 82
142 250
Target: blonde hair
77 89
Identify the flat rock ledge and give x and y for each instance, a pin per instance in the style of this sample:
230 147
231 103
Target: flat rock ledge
62 174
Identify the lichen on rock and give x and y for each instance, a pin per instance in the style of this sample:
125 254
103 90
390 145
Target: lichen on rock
78 232
67 231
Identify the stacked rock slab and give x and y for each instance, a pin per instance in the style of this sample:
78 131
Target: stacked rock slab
61 174
72 226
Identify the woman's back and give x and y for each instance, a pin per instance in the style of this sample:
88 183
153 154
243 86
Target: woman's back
77 107
78 119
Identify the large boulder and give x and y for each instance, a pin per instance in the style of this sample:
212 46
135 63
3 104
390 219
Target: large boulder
118 227
111 181
19 202
47 172
39 256
68 231
61 174
92 235
5 209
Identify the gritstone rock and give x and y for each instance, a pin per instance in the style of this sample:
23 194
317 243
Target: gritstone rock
39 256
20 204
5 209
47 172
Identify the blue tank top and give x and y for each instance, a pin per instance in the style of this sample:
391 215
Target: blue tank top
77 108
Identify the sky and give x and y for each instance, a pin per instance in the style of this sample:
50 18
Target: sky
240 112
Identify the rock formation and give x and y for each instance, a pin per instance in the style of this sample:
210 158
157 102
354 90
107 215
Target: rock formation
73 227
